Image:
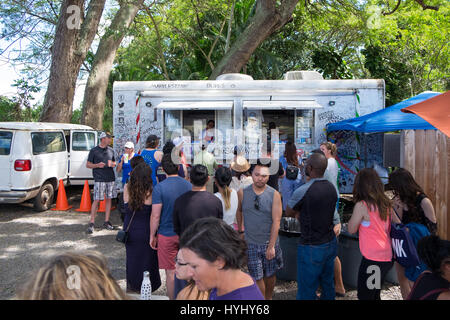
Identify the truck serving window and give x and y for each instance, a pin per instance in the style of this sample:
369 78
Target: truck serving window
47 142
5 142
83 141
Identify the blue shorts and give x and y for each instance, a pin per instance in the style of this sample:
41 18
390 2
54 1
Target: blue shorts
258 266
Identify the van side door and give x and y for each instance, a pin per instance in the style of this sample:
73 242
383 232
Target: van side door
6 164
49 159
81 142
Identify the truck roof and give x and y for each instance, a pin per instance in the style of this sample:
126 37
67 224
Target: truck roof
42 126
234 86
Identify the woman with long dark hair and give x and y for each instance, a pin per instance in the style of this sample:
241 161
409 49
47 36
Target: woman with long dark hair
372 219
289 183
410 201
138 205
411 205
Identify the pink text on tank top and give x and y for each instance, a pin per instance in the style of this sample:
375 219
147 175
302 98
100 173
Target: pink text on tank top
374 239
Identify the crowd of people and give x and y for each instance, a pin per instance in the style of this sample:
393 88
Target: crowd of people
214 229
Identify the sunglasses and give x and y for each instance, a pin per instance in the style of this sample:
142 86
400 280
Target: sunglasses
257 202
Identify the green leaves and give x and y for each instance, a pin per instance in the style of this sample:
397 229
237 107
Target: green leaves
410 50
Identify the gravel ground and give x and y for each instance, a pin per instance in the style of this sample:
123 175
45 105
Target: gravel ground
28 239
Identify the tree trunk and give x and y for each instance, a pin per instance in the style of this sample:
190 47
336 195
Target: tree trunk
97 84
69 50
268 18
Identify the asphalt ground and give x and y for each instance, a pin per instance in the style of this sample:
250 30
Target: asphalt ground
28 239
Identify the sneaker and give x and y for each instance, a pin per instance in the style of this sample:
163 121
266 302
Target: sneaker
107 225
90 229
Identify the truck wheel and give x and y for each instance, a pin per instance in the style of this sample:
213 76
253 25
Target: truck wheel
44 198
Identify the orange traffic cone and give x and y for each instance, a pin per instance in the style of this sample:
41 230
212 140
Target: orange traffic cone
85 205
102 206
61 200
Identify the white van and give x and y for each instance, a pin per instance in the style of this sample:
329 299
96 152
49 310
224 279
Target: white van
34 156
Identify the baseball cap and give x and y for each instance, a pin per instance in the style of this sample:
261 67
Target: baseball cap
105 135
129 145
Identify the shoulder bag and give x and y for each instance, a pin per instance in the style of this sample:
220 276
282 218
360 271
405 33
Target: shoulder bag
122 235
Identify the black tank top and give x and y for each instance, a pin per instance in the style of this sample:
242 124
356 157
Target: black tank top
428 287
418 216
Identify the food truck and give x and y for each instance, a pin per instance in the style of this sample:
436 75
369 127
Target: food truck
242 109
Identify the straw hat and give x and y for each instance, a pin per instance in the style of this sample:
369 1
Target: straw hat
240 164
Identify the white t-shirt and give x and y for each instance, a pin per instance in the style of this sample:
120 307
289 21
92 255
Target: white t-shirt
229 216
237 184
331 174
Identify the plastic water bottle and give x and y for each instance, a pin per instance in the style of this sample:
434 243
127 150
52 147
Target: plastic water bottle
146 287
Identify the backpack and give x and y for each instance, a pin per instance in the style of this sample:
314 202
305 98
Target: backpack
291 172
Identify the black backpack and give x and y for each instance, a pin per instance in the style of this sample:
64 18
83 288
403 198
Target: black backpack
291 172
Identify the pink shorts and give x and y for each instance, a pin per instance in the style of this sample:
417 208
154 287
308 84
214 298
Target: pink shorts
167 251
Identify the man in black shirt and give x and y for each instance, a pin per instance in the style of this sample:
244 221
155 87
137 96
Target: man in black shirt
194 205
102 161
314 204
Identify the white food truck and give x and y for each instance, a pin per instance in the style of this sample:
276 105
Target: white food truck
242 108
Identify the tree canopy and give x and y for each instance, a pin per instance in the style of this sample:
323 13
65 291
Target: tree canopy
404 42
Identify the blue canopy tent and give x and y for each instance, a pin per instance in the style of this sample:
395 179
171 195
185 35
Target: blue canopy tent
388 119
385 120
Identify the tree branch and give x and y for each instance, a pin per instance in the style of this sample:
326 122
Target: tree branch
217 38
197 17
395 9
425 6
230 22
90 25
195 44
158 36
27 10
53 9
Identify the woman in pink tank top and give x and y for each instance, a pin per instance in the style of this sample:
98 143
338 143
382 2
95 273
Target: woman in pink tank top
372 218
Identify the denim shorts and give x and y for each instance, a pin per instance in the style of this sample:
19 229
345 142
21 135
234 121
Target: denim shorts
104 188
258 266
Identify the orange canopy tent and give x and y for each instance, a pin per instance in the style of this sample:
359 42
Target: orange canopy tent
435 110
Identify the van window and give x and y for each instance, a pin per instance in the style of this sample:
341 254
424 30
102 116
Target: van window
47 142
5 142
83 141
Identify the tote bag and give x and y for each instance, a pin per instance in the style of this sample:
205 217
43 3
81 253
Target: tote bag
403 247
